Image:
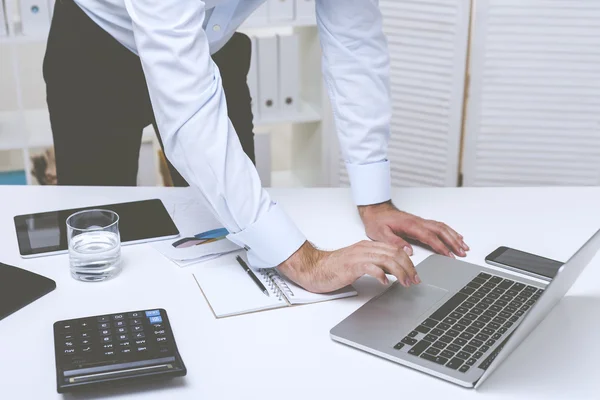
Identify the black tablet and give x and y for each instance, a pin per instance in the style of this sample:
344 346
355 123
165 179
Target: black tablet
140 221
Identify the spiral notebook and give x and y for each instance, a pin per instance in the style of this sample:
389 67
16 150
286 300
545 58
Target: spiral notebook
230 291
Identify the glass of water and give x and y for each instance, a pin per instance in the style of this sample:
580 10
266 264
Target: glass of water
94 245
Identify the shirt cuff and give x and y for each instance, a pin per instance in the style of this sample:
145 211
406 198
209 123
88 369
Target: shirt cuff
271 240
371 183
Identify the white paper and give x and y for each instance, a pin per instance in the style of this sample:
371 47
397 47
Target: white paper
230 291
192 217
294 293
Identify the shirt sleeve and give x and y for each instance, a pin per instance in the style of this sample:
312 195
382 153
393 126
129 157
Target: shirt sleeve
191 113
356 69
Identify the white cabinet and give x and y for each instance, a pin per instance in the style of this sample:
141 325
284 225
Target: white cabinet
428 48
533 115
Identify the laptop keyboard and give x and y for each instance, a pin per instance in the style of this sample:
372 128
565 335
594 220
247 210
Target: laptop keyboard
463 330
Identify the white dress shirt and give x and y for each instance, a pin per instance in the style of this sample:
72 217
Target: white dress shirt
175 39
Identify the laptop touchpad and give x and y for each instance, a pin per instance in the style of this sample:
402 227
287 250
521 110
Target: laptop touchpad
406 304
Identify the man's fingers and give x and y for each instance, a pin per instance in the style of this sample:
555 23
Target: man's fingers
458 237
390 237
391 264
451 242
377 273
433 241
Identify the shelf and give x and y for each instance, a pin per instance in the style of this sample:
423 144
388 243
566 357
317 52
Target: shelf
306 114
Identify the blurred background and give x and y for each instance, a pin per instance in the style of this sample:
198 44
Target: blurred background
484 93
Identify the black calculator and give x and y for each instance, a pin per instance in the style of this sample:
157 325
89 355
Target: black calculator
111 349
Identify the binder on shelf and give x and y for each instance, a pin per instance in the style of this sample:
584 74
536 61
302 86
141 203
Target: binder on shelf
281 10
35 17
289 74
3 20
260 16
306 11
252 79
268 80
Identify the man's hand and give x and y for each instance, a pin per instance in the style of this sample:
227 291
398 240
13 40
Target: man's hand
324 271
385 223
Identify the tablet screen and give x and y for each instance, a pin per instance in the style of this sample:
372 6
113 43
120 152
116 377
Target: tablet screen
138 221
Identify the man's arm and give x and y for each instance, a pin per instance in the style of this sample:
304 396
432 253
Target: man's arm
356 69
191 112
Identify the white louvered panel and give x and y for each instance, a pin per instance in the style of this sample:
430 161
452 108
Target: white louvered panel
427 43
533 115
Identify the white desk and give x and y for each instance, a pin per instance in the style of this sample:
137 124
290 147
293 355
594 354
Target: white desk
287 353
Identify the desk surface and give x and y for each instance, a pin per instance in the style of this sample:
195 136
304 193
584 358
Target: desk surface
287 353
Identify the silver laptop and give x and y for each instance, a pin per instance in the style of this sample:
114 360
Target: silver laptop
462 321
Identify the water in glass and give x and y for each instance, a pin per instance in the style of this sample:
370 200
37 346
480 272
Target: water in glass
94 245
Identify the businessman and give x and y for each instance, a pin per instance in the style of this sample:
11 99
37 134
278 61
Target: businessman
115 66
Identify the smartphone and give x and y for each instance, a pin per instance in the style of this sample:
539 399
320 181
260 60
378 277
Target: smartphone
45 233
526 263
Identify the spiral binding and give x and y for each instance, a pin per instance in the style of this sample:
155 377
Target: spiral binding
276 283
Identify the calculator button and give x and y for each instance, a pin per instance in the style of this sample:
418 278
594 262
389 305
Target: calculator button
136 322
117 317
123 337
137 328
119 323
126 350
87 349
136 315
86 335
122 330
109 353
140 342
107 346
163 349
105 332
104 325
160 332
161 339
158 326
106 339
103 318
69 344
69 351
155 320
85 325
85 342
139 335
69 337
66 327
141 349
124 344
152 313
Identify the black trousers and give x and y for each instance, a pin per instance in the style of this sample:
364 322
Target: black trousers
99 103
